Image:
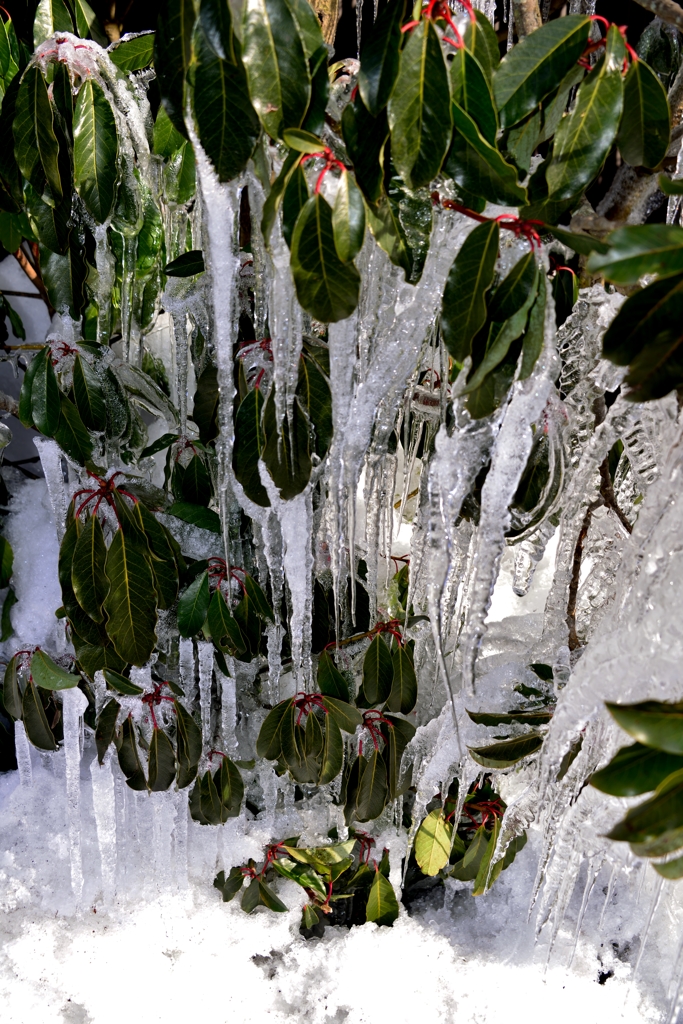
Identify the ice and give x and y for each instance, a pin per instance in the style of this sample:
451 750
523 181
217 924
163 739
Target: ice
104 808
23 754
74 704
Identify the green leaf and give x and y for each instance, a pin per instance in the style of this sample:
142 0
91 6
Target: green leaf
71 435
433 843
485 876
193 606
636 251
131 602
6 628
499 340
259 894
508 752
531 70
6 562
230 886
463 311
205 408
121 684
646 335
45 394
309 26
346 716
189 742
51 16
397 734
35 719
227 122
467 869
64 277
167 139
187 265
313 392
289 466
269 742
222 625
513 291
331 682
11 694
644 133
380 52
302 874
250 627
303 141
651 722
348 219
669 186
636 769
481 40
478 167
326 288
25 395
382 905
172 56
87 23
372 788
95 151
419 108
579 242
196 515
35 144
378 672
249 444
133 54
50 224
89 395
364 138
671 869
507 718
276 66
129 758
470 90
257 598
332 756
293 200
161 762
403 696
655 827
106 728
277 190
585 136
230 788
90 585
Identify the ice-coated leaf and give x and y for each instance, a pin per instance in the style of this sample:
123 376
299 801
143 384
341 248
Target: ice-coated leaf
507 752
89 395
347 717
372 788
222 626
397 734
289 464
644 132
11 694
636 769
331 682
632 252
365 137
313 391
35 144
131 602
161 762
403 696
655 827
433 843
348 219
172 56
35 719
257 598
269 742
276 65
507 718
378 672
45 394
478 167
326 287
652 723
25 394
89 582
293 201
380 51
585 136
193 606
485 874
106 727
95 150
332 756
50 224
488 357
513 291
187 265
419 108
122 684
532 69
129 757
189 745
382 905
65 277
51 16
133 54
71 434
463 312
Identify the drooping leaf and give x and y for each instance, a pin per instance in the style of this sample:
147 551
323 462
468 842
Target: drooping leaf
507 752
644 132
193 606
222 625
403 696
45 395
249 444
71 434
121 684
161 762
486 875
205 408
419 108
470 90
277 190
87 22
331 682
365 137
51 16
276 66
348 219
65 277
131 602
289 464
172 56
50 224
11 694
433 843
481 40
106 727
95 149
487 357
134 53
478 167
6 562
508 717
655 827
513 291
6 628
378 672
293 201
397 734
382 905
35 144
309 26
89 582
35 720
346 716
189 746
463 312
332 755
269 742
633 252
652 723
380 53
129 757
89 395
467 869
636 769
186 265
326 287
532 68
372 788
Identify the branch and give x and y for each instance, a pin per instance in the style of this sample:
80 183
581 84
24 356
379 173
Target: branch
667 10
574 643
609 497
33 276
527 17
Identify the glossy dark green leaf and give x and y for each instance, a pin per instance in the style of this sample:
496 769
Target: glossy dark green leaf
106 727
397 734
196 515
646 335
403 696
276 65
35 144
293 201
467 869
419 108
655 827
249 444
534 336
95 150
260 894
471 91
11 694
87 23
269 742
288 464
498 342
257 597
189 746
191 483
378 672
133 54
172 56
507 752
50 224
380 57
478 167
486 876
277 190
129 757
193 606
511 294
331 682
585 136
249 622
463 312
644 132
205 408
308 24
382 905
348 219
187 265
51 16
579 242
508 717
294 747
25 394
6 628
326 287
35 719
65 277
433 843
481 40
652 723
122 684
332 755
532 69
372 788
346 716
89 395
45 395
230 787
313 392
365 137
89 582
227 122
71 435
635 251
222 626
636 769
131 602
167 139
161 762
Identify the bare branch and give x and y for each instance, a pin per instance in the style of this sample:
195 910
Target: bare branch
667 10
33 276
527 16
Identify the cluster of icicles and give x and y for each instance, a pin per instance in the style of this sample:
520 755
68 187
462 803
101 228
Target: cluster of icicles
386 363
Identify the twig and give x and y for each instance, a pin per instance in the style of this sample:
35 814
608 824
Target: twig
608 496
527 17
33 276
667 10
23 295
574 642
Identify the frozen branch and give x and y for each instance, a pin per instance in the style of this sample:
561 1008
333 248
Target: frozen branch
667 10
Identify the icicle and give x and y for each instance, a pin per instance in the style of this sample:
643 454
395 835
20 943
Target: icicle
180 352
51 462
228 713
130 248
104 807
645 931
205 653
74 703
106 271
23 755
591 878
164 811
527 556
180 839
260 258
284 318
187 668
608 897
